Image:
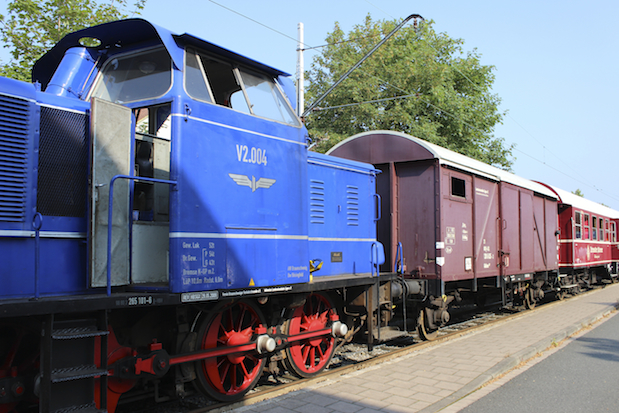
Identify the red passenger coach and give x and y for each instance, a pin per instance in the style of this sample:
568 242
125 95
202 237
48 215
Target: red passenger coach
588 241
458 227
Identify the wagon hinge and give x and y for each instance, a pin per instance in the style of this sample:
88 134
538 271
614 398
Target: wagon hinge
428 260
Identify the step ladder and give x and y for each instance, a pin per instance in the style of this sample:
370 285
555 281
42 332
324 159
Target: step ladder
69 371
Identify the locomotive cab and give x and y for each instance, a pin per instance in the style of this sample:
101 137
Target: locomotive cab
192 129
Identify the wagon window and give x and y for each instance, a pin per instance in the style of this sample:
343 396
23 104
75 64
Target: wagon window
601 229
586 225
613 233
577 225
594 228
458 187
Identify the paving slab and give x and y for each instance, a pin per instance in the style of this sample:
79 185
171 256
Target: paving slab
437 376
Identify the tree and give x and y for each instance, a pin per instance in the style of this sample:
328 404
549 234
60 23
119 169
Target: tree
32 27
578 192
420 82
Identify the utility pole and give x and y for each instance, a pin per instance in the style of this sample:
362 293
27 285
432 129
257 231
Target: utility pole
300 74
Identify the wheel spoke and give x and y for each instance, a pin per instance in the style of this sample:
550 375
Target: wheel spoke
308 357
312 359
241 318
228 378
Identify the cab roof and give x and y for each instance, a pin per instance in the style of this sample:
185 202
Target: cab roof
116 35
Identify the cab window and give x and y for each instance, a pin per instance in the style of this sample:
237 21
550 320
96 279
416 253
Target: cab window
135 76
212 80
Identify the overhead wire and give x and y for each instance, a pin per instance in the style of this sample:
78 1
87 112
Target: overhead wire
546 149
408 95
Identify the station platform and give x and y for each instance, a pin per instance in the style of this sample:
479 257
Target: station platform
437 376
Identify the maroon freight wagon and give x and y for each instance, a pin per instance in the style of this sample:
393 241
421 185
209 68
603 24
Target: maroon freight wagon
588 242
456 226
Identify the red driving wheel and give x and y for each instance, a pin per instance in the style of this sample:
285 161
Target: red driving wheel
230 377
308 357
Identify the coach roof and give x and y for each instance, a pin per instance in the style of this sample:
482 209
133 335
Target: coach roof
584 204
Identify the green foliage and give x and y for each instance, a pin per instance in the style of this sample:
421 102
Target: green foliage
578 192
32 27
448 99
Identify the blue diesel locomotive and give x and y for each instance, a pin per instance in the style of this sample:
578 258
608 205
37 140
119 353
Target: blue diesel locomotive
164 227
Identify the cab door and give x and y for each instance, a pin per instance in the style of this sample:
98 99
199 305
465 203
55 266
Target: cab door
150 240
111 155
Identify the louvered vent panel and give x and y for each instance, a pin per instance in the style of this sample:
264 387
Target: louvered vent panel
317 202
14 134
352 205
63 163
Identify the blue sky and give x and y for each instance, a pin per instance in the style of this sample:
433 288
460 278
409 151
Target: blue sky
555 66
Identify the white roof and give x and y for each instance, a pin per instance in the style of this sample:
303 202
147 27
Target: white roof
457 160
587 205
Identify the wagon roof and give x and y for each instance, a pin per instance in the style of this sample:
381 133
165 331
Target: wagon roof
390 146
578 202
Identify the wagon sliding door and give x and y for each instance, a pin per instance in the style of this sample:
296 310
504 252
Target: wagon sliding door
486 217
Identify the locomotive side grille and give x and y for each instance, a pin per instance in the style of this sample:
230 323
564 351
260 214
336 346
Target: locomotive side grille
63 163
14 142
317 201
352 205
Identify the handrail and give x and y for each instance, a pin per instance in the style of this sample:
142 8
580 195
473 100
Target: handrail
398 254
374 259
379 211
37 223
109 219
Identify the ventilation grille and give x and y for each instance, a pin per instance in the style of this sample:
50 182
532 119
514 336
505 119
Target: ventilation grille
63 163
317 202
14 136
352 205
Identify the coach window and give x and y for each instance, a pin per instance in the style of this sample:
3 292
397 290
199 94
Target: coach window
586 225
613 233
458 187
601 233
607 226
594 228
577 225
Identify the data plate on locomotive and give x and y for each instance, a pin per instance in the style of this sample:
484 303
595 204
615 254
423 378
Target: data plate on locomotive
199 296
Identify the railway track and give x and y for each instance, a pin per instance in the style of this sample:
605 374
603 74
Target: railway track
348 357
